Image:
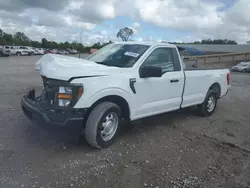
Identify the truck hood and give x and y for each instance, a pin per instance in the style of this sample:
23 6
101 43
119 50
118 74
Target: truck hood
64 67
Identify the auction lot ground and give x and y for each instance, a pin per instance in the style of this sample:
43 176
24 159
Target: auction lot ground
177 149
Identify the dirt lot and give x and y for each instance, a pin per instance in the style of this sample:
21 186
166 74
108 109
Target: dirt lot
177 149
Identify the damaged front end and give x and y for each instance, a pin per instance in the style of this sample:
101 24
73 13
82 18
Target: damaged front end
54 108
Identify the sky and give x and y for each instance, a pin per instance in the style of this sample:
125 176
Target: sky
100 20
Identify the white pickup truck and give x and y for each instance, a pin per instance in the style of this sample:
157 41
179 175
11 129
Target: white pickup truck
122 81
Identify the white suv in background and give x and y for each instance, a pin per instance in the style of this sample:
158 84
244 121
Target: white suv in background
39 51
22 50
11 49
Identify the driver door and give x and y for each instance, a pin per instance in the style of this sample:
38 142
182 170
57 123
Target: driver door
160 94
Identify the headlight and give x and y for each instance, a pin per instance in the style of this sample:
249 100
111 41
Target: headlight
64 102
67 90
69 95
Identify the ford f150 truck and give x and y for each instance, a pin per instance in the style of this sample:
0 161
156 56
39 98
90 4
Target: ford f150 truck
122 81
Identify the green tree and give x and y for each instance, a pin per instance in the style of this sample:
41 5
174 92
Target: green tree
125 34
44 43
217 41
1 33
21 39
8 38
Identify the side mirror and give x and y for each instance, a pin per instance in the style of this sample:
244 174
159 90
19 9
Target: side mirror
150 71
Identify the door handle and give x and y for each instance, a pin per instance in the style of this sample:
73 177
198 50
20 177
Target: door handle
174 81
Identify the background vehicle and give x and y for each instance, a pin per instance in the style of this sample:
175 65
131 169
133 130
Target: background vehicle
12 50
72 51
121 82
38 51
248 69
4 51
63 52
49 51
22 50
31 50
241 67
55 51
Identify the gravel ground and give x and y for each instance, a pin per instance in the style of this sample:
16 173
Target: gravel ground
177 149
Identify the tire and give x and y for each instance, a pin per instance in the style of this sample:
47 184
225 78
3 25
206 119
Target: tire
244 71
98 119
205 109
18 53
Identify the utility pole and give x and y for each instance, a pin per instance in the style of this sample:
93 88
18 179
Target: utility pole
80 43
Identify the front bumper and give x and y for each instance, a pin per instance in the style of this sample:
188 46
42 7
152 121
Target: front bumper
70 121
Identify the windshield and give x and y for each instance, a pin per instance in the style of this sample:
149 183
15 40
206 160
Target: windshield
119 55
243 64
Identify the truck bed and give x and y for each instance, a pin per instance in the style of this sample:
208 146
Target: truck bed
198 81
195 69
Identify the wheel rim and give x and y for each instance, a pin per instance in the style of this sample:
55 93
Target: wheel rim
210 103
109 126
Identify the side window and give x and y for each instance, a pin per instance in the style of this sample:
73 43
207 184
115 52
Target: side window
162 57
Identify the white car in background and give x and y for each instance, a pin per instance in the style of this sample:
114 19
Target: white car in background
11 49
241 67
22 50
4 51
72 51
63 52
38 51
41 51
31 49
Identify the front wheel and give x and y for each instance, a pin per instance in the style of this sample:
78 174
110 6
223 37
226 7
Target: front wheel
103 124
208 107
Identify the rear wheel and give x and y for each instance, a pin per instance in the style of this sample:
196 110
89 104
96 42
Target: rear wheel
208 107
103 124
18 53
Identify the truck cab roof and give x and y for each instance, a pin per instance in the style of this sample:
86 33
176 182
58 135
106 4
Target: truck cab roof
148 43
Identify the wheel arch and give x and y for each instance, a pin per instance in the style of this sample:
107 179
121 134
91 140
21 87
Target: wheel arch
217 88
117 99
120 101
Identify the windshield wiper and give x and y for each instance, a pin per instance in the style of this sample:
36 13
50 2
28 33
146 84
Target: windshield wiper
102 63
109 65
